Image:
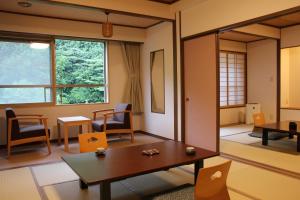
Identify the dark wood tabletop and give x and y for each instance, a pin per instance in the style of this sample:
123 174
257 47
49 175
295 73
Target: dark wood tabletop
279 126
120 163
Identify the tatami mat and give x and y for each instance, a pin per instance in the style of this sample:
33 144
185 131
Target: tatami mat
50 174
243 138
277 159
71 191
17 184
230 130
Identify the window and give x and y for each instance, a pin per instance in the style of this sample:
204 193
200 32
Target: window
25 69
80 72
232 79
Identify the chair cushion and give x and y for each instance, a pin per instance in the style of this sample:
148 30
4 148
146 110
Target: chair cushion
111 124
29 132
15 124
121 117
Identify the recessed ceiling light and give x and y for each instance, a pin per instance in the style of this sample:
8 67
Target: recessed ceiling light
24 4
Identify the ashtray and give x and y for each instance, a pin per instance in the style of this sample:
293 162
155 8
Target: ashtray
100 151
190 150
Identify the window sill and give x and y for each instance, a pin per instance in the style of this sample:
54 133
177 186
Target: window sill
235 106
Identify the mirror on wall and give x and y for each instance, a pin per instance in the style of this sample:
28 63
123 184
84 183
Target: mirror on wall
157 72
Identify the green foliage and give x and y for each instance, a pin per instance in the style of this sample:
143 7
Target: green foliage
80 62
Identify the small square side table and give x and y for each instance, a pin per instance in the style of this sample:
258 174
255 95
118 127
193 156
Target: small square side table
66 122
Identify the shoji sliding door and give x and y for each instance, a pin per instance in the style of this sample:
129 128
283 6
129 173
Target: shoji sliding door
201 104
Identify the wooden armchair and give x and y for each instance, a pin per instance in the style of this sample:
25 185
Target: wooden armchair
17 135
115 121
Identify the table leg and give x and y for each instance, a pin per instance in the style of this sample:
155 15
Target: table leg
58 133
80 129
197 165
89 127
265 137
298 142
105 191
66 138
82 184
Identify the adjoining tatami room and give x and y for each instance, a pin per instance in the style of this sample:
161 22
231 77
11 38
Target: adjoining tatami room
261 81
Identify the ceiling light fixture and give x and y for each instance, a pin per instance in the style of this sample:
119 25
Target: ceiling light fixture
107 28
38 45
24 4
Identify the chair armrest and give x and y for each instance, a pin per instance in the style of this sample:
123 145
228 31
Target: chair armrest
100 111
28 115
113 113
27 118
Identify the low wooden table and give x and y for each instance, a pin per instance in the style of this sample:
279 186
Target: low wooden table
121 163
66 122
282 127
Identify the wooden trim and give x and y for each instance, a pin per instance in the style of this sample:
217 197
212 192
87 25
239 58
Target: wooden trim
53 64
259 40
246 22
229 107
175 81
154 24
290 108
182 91
164 2
231 39
217 93
69 19
151 134
109 10
278 100
272 26
252 34
295 24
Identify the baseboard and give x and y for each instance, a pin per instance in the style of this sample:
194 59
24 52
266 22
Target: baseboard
151 134
231 124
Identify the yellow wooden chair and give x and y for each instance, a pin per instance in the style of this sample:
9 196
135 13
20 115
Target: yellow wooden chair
89 142
259 119
211 182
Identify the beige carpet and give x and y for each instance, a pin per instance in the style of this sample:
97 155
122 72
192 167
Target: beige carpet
17 184
50 174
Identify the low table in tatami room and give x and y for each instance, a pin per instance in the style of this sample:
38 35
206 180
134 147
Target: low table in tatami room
66 122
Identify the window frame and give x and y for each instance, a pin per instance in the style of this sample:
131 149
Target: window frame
105 85
18 37
245 79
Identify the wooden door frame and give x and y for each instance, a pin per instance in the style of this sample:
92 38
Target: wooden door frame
182 40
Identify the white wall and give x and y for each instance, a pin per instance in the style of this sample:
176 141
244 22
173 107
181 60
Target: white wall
159 37
232 115
262 78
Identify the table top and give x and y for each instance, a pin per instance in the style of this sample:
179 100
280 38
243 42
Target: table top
120 163
279 126
73 119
